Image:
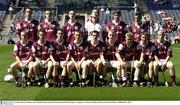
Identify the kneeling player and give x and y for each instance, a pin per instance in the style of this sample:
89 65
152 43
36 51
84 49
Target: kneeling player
60 57
96 61
162 60
111 47
23 54
78 57
127 56
147 52
41 52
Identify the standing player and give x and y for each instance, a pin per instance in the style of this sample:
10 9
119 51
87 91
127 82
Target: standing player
96 58
23 54
136 28
71 26
29 25
118 26
94 25
60 57
127 56
162 60
78 57
49 25
41 52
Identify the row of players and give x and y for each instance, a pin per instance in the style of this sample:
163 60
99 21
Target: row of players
94 56
94 22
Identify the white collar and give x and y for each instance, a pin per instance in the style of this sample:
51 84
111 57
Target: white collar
24 44
46 20
39 42
81 41
60 43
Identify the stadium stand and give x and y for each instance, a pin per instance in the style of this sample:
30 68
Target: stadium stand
171 9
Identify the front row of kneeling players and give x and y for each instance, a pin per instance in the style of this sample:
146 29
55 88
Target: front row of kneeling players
59 59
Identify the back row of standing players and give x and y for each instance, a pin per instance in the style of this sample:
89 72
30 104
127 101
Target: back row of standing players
89 49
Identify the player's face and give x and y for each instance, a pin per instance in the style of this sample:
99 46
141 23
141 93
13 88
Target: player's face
144 38
160 35
94 36
129 40
116 16
111 35
23 36
60 34
72 15
28 12
48 14
137 19
41 35
77 35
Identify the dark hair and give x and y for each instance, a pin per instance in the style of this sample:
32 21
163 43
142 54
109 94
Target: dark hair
42 30
117 12
27 8
95 32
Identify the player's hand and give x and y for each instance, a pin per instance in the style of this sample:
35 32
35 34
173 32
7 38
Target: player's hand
163 66
77 66
55 64
139 64
124 64
22 65
104 63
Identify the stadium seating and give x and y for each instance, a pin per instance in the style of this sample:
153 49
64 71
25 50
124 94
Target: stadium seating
38 15
2 15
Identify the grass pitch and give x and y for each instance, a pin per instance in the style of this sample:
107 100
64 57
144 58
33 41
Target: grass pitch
8 91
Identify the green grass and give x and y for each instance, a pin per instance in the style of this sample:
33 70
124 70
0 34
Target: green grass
8 91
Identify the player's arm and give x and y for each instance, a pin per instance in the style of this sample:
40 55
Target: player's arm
29 60
157 59
117 54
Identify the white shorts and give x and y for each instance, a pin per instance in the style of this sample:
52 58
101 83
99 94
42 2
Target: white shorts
62 63
130 63
162 61
24 61
113 63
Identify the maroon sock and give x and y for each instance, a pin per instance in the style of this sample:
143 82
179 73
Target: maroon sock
55 78
61 79
156 78
173 78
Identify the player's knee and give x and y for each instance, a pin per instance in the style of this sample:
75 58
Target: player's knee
170 65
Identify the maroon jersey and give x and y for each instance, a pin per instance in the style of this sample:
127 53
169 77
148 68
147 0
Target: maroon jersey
78 51
111 50
119 29
70 29
50 29
60 51
30 27
24 52
94 52
128 53
42 51
163 49
136 32
148 51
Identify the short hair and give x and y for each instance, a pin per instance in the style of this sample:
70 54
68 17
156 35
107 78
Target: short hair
47 9
26 9
42 30
117 12
129 34
60 29
145 33
95 31
25 32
